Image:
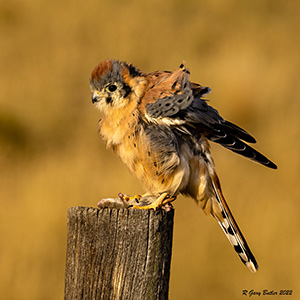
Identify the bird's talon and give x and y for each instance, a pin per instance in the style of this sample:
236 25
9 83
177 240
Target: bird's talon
158 202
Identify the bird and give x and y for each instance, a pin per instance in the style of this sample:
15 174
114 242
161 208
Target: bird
160 125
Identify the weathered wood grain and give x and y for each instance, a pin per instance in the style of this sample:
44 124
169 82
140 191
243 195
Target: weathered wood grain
118 253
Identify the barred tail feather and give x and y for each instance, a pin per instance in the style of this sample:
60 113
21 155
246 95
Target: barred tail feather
232 231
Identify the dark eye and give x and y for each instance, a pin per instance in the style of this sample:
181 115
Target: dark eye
111 88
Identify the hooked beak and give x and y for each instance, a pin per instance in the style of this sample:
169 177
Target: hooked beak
96 97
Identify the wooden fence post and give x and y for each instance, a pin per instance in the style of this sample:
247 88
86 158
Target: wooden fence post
118 254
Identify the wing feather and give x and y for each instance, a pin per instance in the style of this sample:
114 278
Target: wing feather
173 100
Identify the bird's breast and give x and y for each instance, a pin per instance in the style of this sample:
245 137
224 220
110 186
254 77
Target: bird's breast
157 167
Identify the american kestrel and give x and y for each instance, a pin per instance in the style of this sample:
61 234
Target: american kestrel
159 125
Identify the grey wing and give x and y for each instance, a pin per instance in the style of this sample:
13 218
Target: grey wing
169 106
191 111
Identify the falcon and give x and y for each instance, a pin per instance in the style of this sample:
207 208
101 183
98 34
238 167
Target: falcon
160 126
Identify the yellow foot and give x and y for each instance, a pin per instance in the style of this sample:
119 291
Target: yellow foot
163 199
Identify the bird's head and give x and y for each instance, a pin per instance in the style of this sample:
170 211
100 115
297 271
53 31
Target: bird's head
114 84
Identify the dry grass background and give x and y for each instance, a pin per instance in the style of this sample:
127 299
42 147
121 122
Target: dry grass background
51 157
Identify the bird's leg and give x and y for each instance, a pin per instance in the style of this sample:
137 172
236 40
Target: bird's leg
161 200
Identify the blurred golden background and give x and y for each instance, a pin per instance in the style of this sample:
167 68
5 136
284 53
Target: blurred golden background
51 157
